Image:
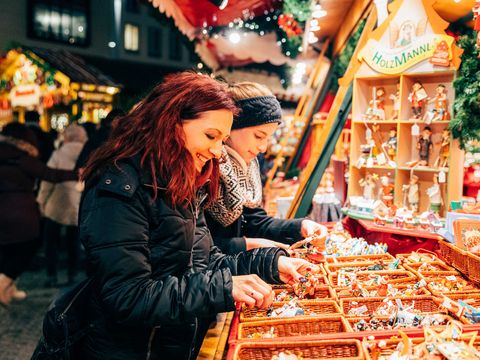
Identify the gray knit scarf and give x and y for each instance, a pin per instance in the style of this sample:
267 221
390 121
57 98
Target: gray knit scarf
240 185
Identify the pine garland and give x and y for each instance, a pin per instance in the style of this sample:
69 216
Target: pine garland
465 124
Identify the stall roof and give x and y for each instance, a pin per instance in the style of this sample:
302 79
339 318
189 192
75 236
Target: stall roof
73 66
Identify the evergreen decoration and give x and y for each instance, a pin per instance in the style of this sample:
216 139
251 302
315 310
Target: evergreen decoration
465 124
341 63
298 11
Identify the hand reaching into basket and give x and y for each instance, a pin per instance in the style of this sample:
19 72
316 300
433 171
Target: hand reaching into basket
252 291
292 270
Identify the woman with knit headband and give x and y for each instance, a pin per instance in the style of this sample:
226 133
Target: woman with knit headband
236 220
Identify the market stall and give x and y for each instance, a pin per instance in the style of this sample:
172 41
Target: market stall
57 84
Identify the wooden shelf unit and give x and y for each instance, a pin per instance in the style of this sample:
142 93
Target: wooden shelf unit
406 142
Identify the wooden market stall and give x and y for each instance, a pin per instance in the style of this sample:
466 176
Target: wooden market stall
61 86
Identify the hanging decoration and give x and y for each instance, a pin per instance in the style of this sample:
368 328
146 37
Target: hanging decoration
465 124
288 22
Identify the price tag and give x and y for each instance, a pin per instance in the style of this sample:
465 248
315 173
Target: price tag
415 130
370 162
442 178
381 159
451 278
360 162
368 134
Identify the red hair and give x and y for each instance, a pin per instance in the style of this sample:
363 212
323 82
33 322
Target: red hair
153 129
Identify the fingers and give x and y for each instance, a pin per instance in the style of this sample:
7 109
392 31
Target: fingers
252 290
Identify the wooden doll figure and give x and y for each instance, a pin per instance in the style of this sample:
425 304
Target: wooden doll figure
386 191
396 102
442 160
391 144
424 146
417 99
441 104
376 106
412 195
368 184
435 195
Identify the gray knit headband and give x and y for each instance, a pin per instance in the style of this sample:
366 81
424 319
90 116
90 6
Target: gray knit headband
257 111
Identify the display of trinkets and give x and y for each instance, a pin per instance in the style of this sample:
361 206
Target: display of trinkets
307 286
393 323
448 344
287 355
263 335
450 283
290 309
342 246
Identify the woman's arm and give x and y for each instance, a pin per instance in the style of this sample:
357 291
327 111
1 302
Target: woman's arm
115 232
37 169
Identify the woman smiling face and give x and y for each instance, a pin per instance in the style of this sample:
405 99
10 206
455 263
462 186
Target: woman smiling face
205 135
250 141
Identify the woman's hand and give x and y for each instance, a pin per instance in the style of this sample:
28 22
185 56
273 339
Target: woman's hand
253 243
252 291
310 228
293 269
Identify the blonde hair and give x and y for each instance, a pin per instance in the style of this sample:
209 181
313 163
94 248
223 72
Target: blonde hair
246 90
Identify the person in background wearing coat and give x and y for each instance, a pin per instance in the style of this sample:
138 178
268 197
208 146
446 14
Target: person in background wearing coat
59 205
20 167
144 190
45 140
236 220
99 137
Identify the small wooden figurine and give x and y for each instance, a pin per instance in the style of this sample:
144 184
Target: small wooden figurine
435 195
368 184
386 190
376 106
391 144
417 97
442 159
440 109
424 146
411 194
396 102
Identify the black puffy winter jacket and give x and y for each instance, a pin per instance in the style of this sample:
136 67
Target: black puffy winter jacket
254 223
147 296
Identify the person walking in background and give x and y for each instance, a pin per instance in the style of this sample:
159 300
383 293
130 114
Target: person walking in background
59 205
20 167
236 220
100 136
45 140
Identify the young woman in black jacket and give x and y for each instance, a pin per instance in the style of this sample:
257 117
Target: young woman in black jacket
236 220
145 189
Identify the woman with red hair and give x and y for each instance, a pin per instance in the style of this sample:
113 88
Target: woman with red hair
145 189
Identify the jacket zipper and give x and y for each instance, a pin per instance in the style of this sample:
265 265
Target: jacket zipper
150 340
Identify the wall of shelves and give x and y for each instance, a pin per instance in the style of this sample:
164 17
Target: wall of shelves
364 88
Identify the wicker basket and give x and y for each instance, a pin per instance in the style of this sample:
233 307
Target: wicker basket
424 304
361 266
395 277
391 345
327 324
360 258
322 279
323 292
473 263
431 278
455 256
425 257
339 295
319 307
437 267
353 320
347 349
